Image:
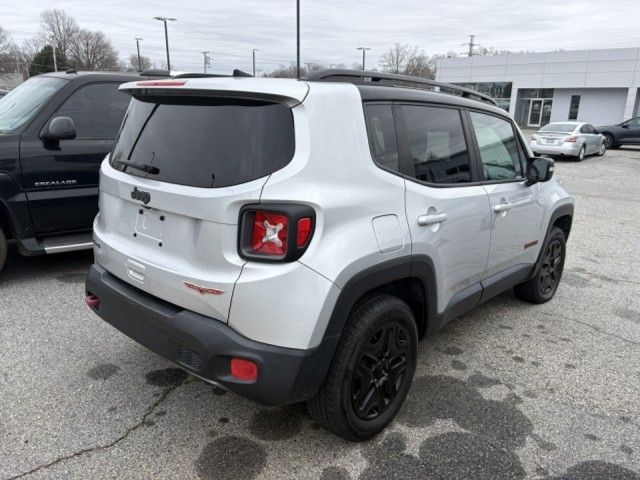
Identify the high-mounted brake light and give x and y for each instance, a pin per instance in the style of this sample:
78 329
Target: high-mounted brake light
571 139
161 83
275 232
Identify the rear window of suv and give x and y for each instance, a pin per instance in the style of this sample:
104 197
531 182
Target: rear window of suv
204 142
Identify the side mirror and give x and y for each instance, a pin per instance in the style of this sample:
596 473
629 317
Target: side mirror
59 128
539 169
625 125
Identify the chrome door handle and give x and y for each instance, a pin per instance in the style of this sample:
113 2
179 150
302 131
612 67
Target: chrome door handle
425 220
502 207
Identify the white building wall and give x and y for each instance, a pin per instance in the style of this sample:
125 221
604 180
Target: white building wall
597 106
605 72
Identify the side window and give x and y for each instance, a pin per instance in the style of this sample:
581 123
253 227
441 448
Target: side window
96 109
382 135
634 122
592 129
584 129
437 144
499 148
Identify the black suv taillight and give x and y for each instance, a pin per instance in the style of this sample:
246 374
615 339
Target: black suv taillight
275 231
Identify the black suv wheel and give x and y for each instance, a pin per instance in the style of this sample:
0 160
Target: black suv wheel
371 371
543 285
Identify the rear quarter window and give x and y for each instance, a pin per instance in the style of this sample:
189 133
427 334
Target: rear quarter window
205 142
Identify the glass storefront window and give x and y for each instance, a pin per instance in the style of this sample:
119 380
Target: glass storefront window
499 91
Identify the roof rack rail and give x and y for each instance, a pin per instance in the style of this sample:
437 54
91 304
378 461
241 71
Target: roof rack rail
155 73
394 80
199 75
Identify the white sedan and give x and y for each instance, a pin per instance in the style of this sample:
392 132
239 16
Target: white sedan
571 139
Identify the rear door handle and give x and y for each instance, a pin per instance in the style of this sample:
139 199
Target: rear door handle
425 220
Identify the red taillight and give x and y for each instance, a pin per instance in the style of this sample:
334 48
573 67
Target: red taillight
243 369
304 231
275 232
269 234
161 83
571 139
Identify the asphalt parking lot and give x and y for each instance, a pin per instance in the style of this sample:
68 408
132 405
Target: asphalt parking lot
510 390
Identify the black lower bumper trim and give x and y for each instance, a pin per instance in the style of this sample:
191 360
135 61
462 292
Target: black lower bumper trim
205 346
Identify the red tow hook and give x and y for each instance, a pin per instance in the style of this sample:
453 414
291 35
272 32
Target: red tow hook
92 301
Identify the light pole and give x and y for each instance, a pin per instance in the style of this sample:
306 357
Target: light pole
364 53
138 48
298 37
253 52
166 36
206 53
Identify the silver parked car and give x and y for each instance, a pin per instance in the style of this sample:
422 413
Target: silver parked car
572 139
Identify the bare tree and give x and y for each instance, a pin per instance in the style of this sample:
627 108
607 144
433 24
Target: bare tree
290 71
131 65
407 60
58 28
93 51
9 53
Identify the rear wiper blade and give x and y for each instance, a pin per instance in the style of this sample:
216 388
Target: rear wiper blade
145 167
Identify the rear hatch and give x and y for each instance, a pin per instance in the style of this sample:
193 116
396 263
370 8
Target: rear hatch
184 163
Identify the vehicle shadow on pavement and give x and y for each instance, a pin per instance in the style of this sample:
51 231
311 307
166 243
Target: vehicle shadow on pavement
68 267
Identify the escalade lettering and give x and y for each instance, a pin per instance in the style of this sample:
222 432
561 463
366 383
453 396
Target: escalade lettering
55 183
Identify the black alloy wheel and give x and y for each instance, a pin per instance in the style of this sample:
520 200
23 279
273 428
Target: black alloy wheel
380 371
551 267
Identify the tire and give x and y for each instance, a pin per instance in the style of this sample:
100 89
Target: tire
542 287
3 249
378 344
610 141
582 153
603 149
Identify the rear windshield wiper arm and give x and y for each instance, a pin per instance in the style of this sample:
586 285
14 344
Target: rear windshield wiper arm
145 167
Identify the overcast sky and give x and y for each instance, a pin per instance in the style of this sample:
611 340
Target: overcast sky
332 29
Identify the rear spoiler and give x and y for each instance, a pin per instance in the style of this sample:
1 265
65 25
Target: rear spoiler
290 94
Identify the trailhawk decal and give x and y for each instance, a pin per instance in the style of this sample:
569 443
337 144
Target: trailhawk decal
203 290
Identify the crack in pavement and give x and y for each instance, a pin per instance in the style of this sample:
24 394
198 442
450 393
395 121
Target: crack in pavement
597 329
122 437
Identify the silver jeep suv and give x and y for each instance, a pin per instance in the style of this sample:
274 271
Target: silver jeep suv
292 240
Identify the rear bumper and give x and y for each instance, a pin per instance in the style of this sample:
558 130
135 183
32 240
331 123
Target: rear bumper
205 346
569 149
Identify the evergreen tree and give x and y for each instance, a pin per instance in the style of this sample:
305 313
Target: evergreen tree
43 61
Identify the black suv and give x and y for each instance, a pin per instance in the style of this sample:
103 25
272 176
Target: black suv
55 129
625 133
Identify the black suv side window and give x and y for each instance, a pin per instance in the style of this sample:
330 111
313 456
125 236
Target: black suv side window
382 135
436 143
96 109
499 148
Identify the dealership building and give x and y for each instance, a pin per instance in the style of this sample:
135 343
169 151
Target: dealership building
595 86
